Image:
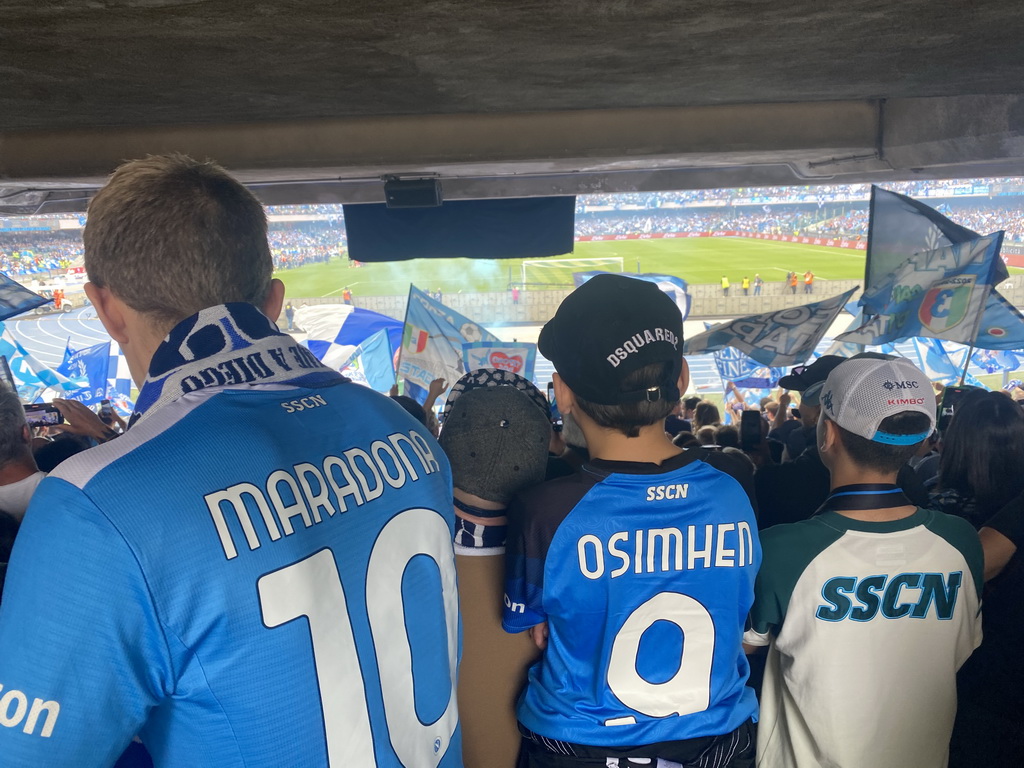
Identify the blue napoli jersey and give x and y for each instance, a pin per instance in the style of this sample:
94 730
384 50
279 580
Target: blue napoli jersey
249 577
645 576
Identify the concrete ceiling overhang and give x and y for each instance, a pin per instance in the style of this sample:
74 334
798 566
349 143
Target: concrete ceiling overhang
316 100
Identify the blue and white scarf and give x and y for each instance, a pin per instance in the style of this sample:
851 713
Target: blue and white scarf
226 345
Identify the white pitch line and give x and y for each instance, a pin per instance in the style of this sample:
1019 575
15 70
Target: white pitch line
821 249
339 290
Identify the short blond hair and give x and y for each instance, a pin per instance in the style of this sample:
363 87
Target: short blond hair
170 236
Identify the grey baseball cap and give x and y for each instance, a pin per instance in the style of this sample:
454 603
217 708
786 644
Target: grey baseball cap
496 439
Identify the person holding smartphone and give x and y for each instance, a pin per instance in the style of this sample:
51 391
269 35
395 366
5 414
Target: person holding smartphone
19 475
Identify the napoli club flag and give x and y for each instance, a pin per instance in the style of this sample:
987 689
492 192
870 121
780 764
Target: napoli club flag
939 365
511 356
372 364
432 343
940 294
901 227
775 339
993 361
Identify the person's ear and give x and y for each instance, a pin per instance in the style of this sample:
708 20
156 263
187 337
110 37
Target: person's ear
828 435
684 378
563 395
110 311
274 301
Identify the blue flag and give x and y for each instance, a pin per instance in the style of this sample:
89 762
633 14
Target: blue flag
673 287
32 377
372 363
745 372
778 339
995 360
432 342
746 379
16 298
941 294
1002 325
899 228
934 359
91 364
335 330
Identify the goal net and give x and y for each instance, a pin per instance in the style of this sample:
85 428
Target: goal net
540 274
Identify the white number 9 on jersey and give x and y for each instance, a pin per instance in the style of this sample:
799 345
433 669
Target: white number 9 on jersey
689 689
312 588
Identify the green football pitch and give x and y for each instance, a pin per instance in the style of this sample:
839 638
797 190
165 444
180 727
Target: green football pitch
696 260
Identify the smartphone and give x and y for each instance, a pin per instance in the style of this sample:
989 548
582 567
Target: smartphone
950 397
43 415
105 409
750 430
556 415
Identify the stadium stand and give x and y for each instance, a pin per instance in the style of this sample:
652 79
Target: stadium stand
301 235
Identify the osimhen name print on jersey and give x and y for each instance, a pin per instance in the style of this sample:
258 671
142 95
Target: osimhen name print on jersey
625 561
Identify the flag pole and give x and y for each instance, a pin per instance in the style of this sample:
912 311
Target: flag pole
401 346
967 362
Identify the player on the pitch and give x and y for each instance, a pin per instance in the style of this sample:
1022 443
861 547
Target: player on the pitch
871 606
635 575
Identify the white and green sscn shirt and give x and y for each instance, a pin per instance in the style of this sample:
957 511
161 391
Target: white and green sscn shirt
867 624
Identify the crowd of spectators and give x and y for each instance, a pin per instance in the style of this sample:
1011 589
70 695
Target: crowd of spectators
681 220
817 193
560 553
24 253
309 243
848 221
972 467
836 210
292 244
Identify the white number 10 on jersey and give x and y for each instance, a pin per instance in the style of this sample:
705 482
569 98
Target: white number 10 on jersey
313 588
